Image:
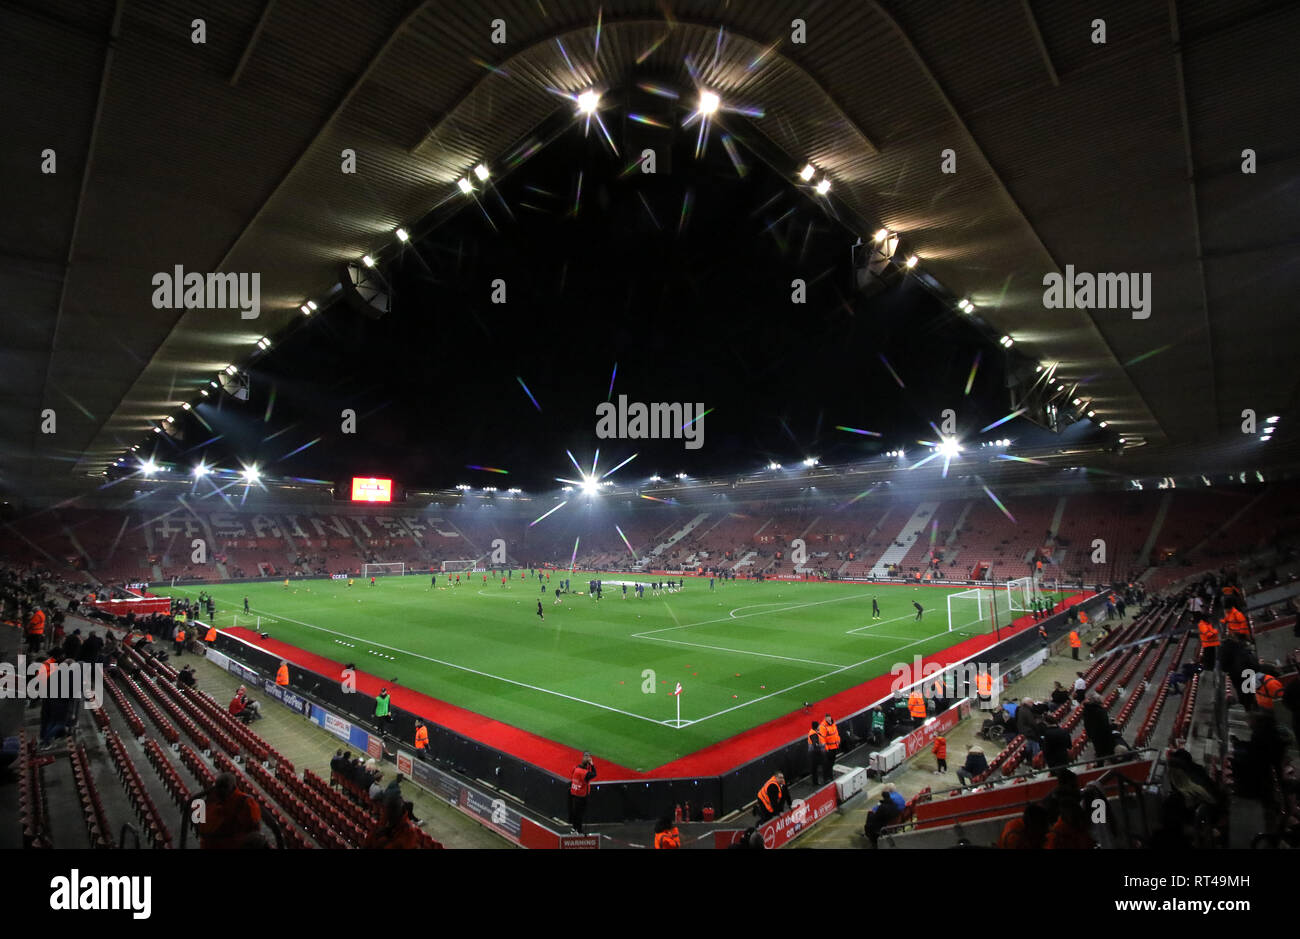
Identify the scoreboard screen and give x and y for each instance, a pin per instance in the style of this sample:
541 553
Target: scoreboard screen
370 489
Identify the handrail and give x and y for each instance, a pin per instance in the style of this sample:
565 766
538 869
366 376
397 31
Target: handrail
1121 782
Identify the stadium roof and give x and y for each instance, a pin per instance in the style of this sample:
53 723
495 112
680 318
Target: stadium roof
225 156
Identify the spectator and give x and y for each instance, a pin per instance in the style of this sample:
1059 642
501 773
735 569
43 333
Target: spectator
1096 722
230 816
1027 724
1056 743
1080 687
890 808
393 831
186 677
1071 830
1060 695
1028 832
975 765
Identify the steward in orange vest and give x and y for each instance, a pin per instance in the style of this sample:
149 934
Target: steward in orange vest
1209 643
984 685
916 705
1270 691
212 635
773 797
941 753
421 735
1075 642
282 675
179 639
35 630
667 836
1236 622
830 740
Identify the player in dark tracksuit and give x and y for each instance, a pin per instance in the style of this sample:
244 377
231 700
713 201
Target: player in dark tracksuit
539 610
875 609
919 609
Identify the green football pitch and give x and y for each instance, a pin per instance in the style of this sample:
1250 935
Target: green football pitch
599 675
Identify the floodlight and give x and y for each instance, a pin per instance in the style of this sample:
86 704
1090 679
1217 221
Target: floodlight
709 103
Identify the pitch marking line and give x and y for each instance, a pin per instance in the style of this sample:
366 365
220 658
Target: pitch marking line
766 655
732 615
809 681
881 623
474 671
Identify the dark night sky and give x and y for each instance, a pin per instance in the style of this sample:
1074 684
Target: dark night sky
693 307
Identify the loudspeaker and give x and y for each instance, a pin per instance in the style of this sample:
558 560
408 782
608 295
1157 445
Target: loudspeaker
364 290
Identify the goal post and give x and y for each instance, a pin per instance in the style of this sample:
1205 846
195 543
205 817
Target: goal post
382 569
971 609
459 566
1021 594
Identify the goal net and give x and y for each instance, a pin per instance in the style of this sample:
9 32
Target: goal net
1021 593
382 569
971 609
456 566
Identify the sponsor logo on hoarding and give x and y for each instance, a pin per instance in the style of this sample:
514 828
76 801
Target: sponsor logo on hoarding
286 697
245 674
337 726
784 828
338 576
404 764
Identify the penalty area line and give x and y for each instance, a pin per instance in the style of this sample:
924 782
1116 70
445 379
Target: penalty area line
475 671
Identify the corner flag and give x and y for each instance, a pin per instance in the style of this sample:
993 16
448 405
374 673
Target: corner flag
679 688
678 695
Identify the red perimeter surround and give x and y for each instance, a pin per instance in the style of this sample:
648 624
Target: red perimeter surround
714 760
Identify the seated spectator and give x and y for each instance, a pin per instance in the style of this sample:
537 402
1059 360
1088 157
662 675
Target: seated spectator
230 816
392 831
887 811
1071 829
975 765
186 677
243 707
376 789
1028 832
1060 694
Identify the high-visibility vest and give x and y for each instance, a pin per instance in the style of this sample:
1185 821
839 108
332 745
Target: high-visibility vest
916 704
1083 618
421 737
381 706
579 784
1269 691
984 683
671 838
1235 620
765 799
815 737
212 634
36 625
282 675
940 748
180 635
1074 638
1209 635
830 735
